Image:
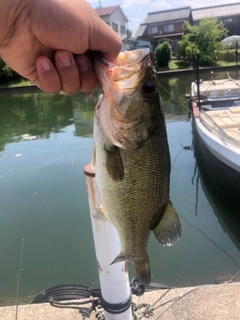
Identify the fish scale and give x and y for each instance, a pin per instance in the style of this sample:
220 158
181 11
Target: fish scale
132 160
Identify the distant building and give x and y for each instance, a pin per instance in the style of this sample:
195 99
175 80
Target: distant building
129 44
169 23
141 44
164 24
115 18
229 14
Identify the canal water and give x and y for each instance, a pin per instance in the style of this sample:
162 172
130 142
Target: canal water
45 141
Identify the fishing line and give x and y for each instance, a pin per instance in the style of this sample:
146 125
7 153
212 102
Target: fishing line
209 239
19 279
174 300
234 277
181 104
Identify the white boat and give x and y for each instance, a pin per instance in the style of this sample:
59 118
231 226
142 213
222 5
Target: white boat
217 120
217 93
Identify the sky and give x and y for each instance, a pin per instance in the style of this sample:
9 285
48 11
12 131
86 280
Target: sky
137 10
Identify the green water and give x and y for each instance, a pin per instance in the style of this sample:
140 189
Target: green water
45 141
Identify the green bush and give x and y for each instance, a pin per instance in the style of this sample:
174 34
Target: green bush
205 60
163 54
6 72
230 56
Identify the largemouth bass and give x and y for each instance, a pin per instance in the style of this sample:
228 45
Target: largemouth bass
131 158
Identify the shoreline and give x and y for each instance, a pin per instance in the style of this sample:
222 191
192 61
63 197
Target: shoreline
220 301
182 71
17 89
33 88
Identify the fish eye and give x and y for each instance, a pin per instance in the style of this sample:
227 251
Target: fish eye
148 88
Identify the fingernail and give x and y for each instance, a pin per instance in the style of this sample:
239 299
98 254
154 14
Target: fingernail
45 65
65 59
83 64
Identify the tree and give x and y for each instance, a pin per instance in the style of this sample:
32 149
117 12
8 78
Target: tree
6 72
129 33
163 54
204 40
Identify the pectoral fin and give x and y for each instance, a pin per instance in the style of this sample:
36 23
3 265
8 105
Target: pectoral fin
168 229
100 214
114 163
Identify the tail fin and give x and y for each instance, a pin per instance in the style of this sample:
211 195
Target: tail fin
142 270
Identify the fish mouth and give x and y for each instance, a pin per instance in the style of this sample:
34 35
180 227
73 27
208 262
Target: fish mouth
138 57
125 73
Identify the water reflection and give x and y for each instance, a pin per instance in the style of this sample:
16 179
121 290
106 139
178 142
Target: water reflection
37 115
33 114
173 92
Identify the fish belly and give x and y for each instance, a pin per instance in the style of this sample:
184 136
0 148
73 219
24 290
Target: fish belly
135 204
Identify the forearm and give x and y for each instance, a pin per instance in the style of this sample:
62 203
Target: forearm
12 13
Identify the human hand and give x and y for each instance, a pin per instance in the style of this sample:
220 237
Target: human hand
48 41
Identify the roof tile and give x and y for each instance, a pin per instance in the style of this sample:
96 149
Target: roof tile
216 11
168 15
105 11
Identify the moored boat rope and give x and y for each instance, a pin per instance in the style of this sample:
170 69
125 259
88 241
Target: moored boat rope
233 80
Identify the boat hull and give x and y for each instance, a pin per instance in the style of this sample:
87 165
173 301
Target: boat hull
219 146
220 176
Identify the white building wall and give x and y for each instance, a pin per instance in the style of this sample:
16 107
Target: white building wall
106 19
116 17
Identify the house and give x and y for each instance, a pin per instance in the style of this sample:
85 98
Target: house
169 23
164 24
229 14
115 18
129 44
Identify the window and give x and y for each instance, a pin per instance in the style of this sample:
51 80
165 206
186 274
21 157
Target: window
168 28
152 30
123 29
115 27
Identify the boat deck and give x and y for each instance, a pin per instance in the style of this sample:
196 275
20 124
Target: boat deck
227 121
218 89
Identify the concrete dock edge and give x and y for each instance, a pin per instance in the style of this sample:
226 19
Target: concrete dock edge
206 302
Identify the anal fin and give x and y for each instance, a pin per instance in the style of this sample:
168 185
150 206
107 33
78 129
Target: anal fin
99 213
168 230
